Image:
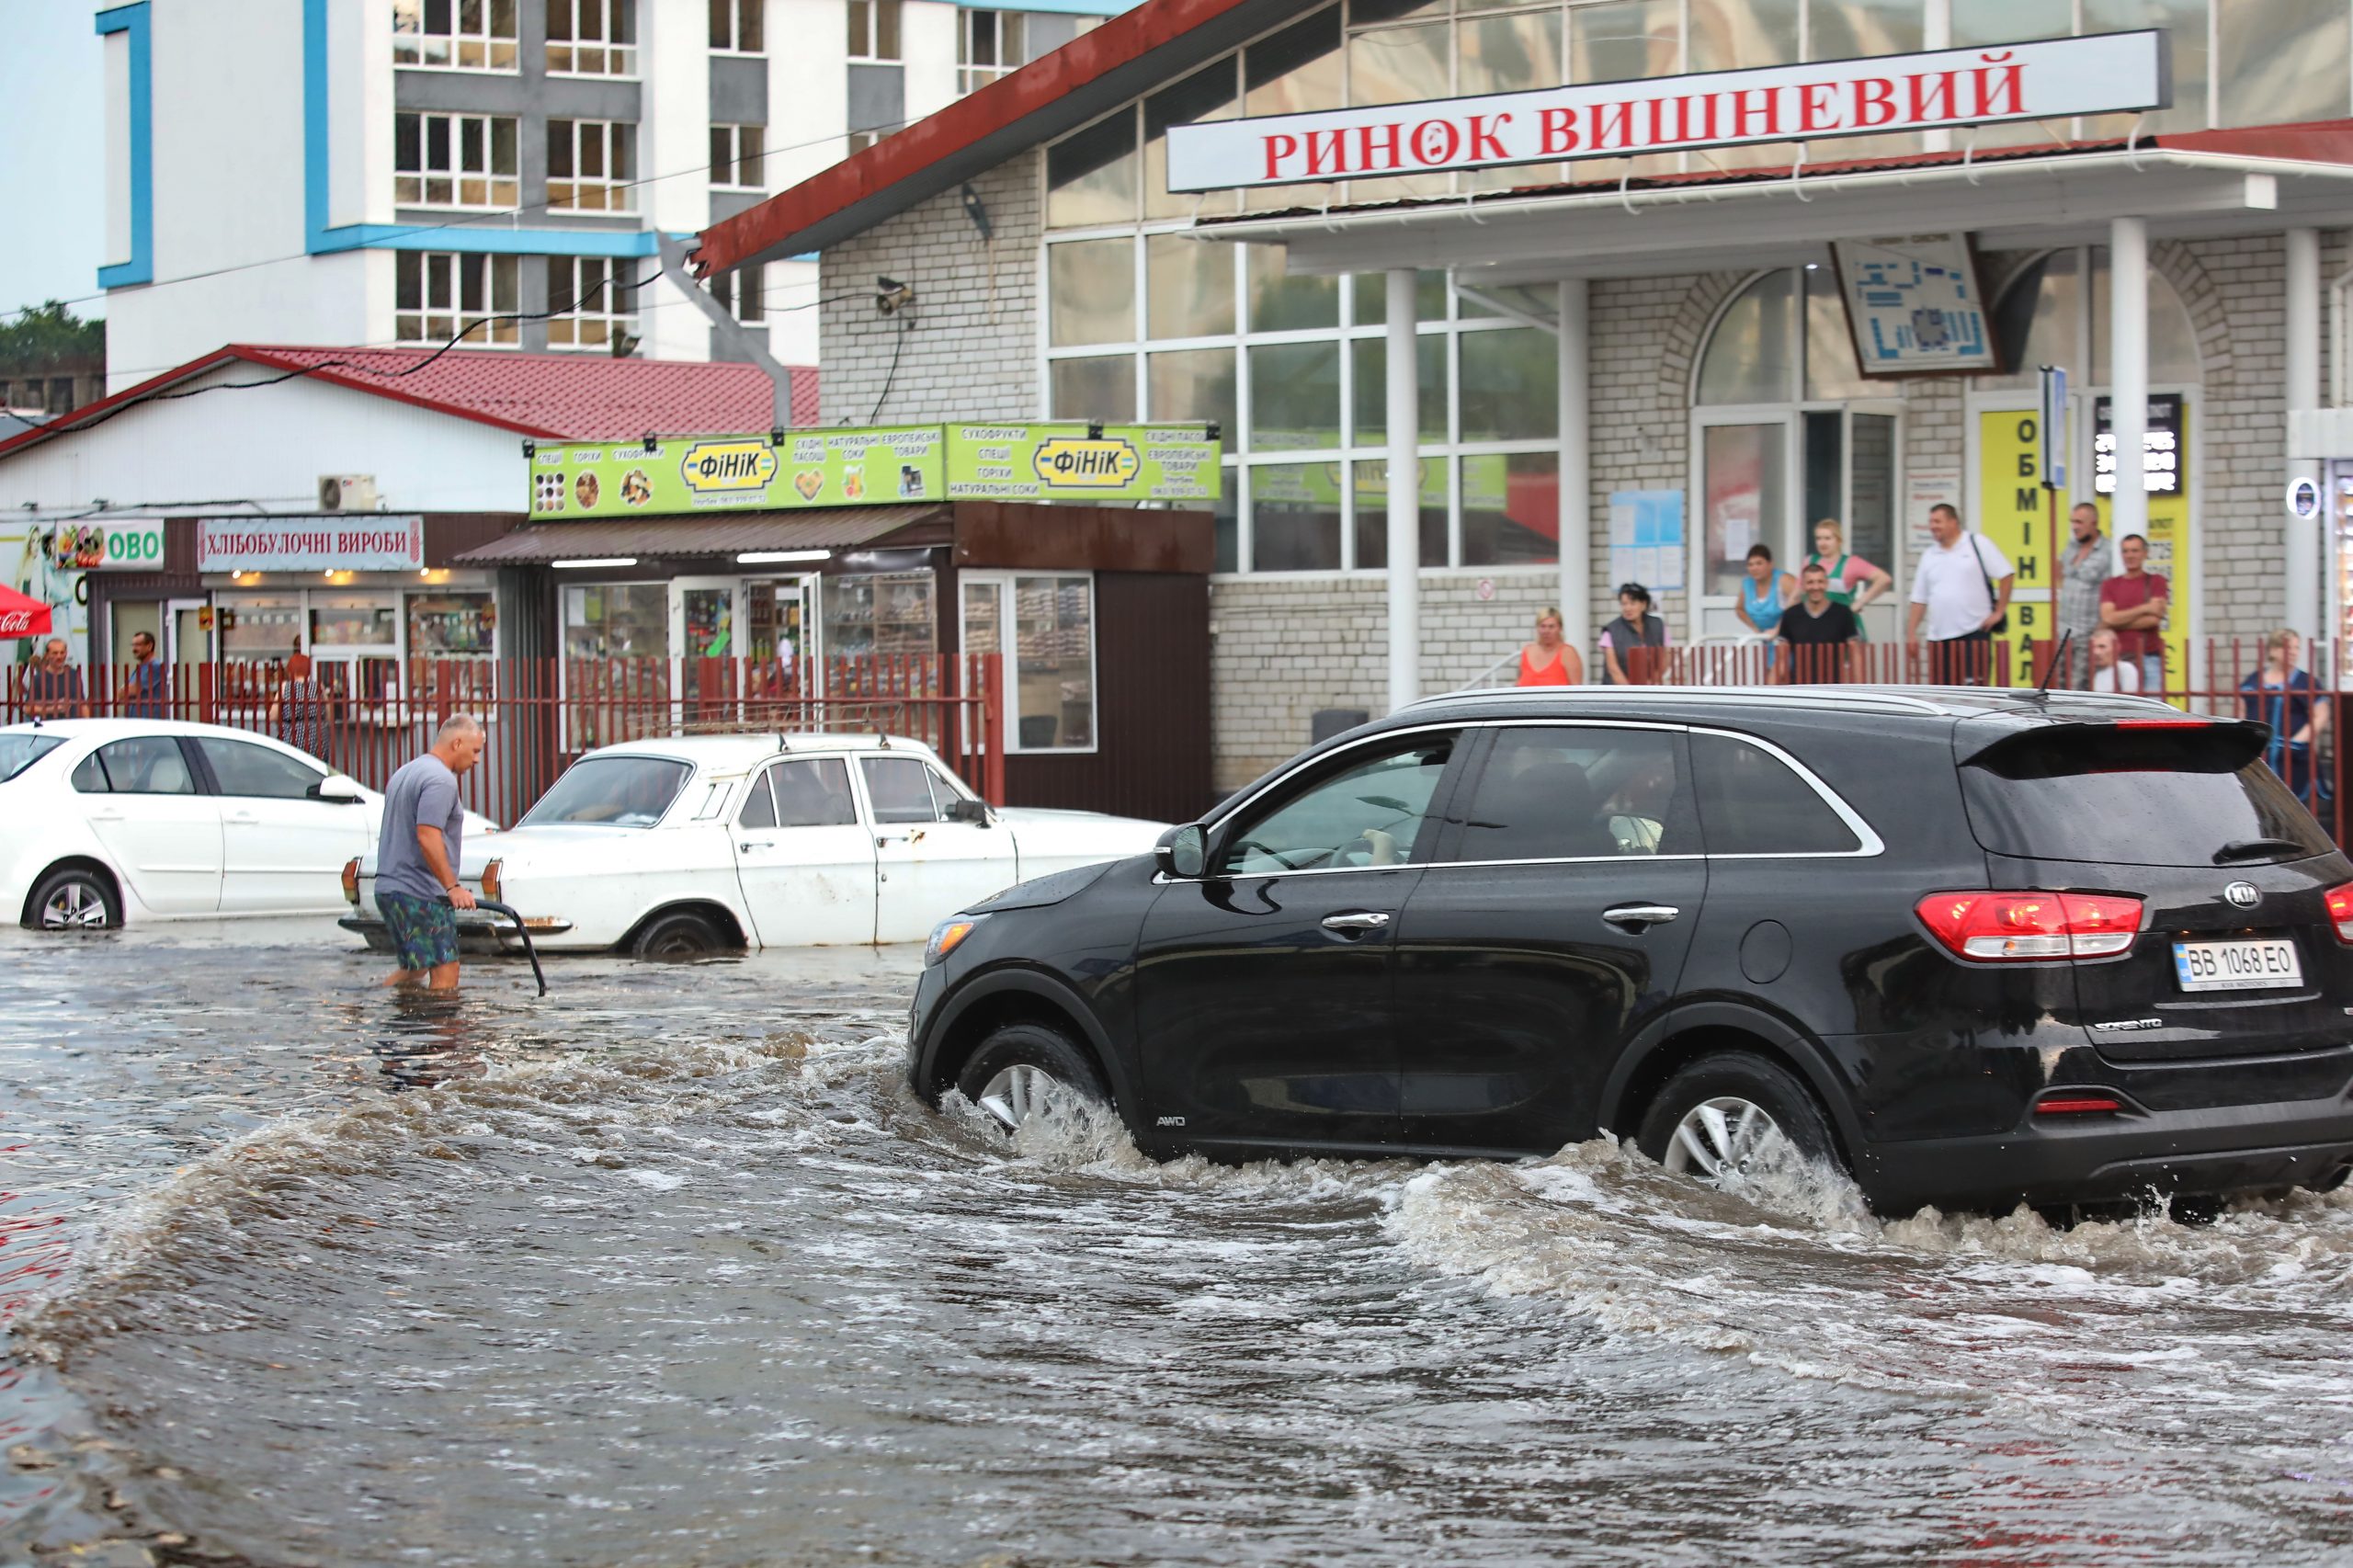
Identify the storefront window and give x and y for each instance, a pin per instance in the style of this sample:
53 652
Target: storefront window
2043 318
259 628
1372 532
354 620
1293 72
1295 396
1511 509
879 612
1280 302
1206 93
1188 286
1511 389
1295 516
617 621
2185 22
1193 383
1092 286
1091 177
1101 387
1400 66
1752 355
452 626
1049 681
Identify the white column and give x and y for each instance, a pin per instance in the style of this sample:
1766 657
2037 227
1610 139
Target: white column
2128 336
1577 465
1405 495
2302 541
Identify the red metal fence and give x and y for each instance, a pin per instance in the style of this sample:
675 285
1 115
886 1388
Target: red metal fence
2222 677
542 714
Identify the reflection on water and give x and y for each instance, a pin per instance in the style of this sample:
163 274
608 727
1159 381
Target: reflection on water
667 1267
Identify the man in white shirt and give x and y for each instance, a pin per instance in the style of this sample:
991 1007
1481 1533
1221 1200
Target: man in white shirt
1961 589
2109 674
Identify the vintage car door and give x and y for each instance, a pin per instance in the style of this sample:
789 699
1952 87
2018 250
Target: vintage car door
805 861
927 868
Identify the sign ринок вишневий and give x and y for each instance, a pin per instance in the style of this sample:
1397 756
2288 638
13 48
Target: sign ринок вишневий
2103 74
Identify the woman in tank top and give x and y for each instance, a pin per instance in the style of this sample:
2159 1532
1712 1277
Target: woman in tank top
1550 661
1764 594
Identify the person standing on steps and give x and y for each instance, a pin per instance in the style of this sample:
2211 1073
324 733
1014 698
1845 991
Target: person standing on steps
417 889
1550 661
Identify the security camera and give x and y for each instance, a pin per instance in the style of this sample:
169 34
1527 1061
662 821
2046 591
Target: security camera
890 295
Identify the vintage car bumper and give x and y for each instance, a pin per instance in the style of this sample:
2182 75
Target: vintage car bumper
477 932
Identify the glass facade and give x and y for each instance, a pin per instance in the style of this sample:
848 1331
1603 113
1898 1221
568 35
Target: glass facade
1144 321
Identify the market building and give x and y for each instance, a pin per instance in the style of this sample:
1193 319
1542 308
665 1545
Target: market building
1632 311
260 501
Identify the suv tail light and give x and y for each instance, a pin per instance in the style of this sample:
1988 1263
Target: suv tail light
2024 928
2340 912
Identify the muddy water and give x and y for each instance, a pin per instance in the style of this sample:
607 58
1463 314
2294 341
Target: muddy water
667 1267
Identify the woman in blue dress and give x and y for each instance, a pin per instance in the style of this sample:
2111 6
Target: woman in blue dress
1764 594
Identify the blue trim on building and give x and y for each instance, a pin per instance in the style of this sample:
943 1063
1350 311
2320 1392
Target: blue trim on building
468 237
134 20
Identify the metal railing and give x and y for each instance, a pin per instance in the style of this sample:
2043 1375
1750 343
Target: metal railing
365 717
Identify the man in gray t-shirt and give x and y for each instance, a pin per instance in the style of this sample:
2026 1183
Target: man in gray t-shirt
417 891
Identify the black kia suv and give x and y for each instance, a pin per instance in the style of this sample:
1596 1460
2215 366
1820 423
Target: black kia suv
1978 948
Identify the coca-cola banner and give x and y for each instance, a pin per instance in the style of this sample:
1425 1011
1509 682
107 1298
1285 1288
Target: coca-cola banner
2050 78
357 541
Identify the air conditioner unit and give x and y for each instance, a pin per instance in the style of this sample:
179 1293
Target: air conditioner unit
346 493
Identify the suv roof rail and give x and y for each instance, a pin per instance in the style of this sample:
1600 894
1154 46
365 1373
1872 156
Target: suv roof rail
1873 699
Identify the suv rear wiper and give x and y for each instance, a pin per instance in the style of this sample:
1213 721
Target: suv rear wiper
2254 849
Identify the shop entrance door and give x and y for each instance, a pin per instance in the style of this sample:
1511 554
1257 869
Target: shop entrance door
187 644
780 638
1747 485
704 616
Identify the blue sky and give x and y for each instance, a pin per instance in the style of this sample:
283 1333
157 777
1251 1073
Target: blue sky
51 163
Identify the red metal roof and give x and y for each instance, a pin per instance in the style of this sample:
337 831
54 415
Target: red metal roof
551 396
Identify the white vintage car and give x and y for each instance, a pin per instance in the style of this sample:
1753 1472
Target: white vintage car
107 822
696 843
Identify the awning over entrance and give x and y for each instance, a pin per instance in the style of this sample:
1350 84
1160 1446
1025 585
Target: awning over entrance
2200 185
842 527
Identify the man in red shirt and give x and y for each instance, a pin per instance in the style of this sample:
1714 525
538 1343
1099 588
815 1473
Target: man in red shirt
2133 607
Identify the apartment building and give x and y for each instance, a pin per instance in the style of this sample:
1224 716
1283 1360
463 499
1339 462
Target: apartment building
397 172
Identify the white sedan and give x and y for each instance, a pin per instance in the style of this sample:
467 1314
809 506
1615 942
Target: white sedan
106 821
696 843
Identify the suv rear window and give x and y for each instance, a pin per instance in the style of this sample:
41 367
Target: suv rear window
2196 795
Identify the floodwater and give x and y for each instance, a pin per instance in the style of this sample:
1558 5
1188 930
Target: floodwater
667 1267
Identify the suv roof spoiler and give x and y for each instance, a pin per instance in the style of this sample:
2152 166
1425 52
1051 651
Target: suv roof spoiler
1998 743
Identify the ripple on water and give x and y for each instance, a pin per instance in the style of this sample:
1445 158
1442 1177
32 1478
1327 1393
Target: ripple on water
672 1269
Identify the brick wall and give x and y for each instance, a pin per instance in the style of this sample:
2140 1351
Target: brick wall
970 345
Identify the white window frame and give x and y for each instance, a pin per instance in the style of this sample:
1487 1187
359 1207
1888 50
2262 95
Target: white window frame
971 76
567 328
864 34
727 170
735 11
611 16
1008 694
445 278
414 41
615 193
502 191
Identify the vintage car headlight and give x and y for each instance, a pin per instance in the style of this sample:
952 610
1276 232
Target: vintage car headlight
948 936
493 881
351 882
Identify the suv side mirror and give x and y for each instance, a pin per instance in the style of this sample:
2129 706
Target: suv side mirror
1183 851
974 811
337 790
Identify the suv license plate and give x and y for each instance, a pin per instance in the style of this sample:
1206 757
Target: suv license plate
2236 966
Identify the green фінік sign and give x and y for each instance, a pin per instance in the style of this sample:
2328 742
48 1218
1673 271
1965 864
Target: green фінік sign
871 466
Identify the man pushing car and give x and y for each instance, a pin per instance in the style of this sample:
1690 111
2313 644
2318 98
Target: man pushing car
417 889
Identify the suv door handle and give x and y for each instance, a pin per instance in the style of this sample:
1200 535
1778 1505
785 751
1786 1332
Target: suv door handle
1640 915
1363 920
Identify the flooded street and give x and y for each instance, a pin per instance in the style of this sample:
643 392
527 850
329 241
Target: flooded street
667 1266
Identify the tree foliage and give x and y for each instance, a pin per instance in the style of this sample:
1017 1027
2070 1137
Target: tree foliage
51 337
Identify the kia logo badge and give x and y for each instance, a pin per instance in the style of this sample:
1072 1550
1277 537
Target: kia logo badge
2243 894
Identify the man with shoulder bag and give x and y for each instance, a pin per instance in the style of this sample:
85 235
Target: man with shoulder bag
1961 597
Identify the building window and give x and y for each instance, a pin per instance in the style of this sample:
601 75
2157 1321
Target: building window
988 44
458 35
592 165
595 299
438 296
1046 627
592 38
874 30
735 154
735 27
741 294
454 160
